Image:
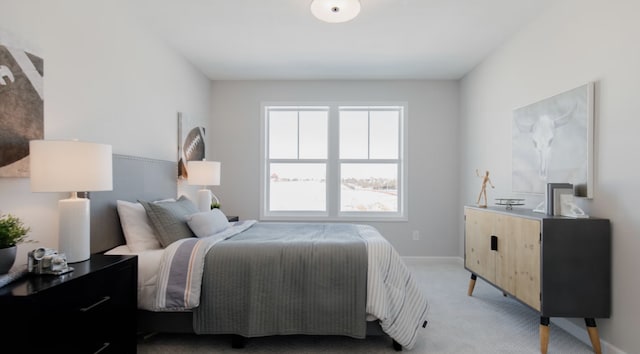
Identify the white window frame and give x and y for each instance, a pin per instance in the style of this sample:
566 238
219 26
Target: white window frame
333 162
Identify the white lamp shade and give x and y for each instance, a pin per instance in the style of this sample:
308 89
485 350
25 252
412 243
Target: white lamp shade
335 11
203 173
70 166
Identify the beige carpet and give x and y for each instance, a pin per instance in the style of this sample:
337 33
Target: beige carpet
486 323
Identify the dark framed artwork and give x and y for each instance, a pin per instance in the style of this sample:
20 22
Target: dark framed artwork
21 108
552 142
191 144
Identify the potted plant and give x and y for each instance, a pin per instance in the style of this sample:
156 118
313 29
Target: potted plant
12 232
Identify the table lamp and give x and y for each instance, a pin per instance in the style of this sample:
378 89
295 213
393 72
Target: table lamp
204 173
71 166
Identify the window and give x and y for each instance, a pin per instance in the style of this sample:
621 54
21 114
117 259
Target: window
333 162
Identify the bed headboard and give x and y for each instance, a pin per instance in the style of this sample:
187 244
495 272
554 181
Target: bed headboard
133 178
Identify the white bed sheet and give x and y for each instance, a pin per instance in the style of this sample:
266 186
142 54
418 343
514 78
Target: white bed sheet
148 265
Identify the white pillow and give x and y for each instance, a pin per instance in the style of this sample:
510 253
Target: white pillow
136 227
207 223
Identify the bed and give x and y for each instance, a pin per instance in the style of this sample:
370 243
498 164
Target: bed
250 278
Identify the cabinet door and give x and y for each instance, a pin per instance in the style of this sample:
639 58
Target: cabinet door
518 260
478 255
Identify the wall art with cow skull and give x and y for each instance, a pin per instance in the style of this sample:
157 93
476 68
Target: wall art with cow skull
552 142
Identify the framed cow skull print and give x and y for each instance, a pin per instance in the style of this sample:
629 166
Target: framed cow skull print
552 142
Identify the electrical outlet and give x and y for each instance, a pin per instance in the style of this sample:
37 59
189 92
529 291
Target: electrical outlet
416 235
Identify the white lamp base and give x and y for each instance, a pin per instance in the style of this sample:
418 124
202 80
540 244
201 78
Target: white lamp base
204 200
74 229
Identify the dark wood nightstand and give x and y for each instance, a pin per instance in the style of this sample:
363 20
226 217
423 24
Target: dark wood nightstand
233 218
90 310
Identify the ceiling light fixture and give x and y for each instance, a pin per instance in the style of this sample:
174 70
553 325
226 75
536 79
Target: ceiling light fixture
335 11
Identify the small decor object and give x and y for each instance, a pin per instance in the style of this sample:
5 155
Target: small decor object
12 232
483 189
569 208
47 261
552 196
509 202
558 194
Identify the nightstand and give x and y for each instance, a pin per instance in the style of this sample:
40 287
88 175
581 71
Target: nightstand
233 218
89 310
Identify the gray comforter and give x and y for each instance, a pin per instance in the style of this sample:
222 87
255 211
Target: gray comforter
285 278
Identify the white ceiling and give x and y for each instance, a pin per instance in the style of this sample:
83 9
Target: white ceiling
390 39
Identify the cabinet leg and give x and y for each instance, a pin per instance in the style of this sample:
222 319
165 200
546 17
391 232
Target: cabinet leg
472 284
592 329
544 334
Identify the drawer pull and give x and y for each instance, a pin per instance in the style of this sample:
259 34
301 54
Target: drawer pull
494 243
88 308
104 346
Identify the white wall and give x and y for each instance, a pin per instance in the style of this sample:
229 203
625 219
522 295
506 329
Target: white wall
433 150
574 42
107 80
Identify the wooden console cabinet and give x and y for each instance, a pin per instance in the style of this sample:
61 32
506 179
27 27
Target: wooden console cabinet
559 266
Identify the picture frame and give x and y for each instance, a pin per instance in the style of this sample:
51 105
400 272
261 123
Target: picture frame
191 144
552 141
558 197
552 195
21 106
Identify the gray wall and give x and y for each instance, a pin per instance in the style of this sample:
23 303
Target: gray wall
574 42
106 79
433 150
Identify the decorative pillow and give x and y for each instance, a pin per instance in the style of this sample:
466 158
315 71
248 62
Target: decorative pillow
207 223
169 219
138 233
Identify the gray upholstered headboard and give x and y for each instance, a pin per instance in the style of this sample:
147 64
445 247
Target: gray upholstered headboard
133 178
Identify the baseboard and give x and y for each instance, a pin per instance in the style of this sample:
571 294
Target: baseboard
581 333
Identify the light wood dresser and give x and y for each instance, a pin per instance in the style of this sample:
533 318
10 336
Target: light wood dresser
558 266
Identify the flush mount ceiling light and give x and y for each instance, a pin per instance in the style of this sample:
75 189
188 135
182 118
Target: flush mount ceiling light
335 11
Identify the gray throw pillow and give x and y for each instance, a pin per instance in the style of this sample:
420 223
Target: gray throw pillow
207 223
169 219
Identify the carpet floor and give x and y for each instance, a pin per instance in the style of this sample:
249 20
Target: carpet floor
485 323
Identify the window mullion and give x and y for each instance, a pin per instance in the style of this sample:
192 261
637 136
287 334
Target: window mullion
298 137
333 163
368 134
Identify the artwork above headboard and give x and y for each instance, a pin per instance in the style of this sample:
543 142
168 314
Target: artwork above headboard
134 178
